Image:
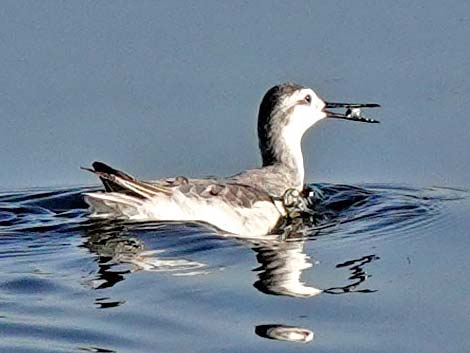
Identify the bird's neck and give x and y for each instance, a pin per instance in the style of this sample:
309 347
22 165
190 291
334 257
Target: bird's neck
282 150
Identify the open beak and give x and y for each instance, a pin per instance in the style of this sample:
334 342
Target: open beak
353 111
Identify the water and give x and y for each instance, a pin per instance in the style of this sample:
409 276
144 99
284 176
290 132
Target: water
384 269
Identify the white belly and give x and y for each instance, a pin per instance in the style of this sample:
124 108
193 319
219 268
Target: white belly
257 220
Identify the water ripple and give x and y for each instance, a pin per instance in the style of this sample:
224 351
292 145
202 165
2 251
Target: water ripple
365 211
57 265
374 211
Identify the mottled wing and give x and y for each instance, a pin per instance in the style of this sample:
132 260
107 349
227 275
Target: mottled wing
237 195
227 190
273 181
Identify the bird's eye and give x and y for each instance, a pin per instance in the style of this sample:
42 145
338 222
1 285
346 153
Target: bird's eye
308 98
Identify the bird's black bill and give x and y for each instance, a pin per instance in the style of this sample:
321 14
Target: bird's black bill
329 105
353 111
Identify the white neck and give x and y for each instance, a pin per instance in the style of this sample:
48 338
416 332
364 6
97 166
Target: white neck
292 138
280 134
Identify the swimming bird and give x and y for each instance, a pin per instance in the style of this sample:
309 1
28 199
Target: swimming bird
250 203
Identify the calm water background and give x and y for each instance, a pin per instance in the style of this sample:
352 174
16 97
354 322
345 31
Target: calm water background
159 88
169 88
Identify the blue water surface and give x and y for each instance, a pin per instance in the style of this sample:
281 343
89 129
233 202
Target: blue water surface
383 269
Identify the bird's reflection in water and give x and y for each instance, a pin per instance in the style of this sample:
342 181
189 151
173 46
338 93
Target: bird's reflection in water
280 272
115 246
358 276
281 265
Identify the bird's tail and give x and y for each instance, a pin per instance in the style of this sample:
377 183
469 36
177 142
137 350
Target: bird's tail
107 174
124 195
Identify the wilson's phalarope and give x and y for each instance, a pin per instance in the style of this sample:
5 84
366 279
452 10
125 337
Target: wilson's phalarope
249 203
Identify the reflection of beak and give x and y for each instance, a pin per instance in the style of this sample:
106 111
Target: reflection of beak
350 113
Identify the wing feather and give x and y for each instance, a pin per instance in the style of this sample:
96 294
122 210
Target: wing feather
229 191
117 181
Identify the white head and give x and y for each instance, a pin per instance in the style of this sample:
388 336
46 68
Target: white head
286 112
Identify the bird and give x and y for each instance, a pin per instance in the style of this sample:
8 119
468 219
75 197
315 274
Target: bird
250 203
